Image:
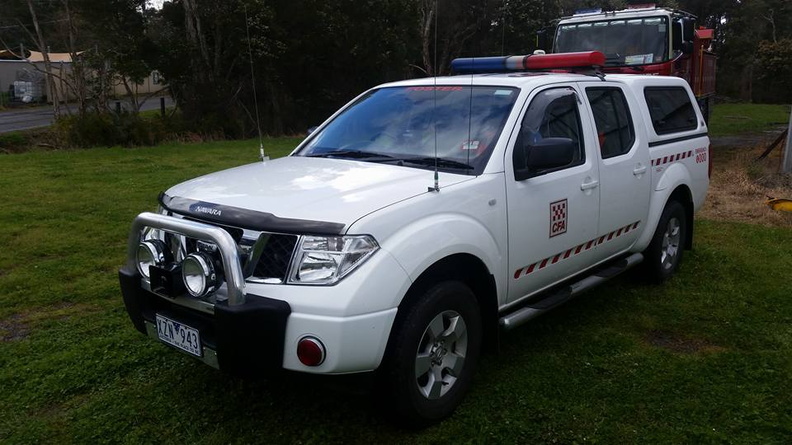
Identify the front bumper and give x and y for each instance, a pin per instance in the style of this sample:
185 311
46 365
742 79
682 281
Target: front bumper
245 340
247 334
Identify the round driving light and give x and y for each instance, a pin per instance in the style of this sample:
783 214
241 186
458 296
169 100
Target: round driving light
199 275
150 253
310 351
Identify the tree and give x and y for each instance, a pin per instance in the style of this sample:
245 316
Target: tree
119 48
774 68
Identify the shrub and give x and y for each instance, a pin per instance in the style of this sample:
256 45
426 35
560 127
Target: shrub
11 142
109 129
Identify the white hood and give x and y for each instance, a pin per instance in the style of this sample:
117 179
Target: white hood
314 189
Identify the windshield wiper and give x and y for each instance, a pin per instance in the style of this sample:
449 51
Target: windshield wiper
440 162
353 154
379 157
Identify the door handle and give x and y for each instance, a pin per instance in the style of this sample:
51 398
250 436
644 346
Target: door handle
639 170
589 185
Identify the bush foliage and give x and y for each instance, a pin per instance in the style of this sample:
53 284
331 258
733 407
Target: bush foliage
106 129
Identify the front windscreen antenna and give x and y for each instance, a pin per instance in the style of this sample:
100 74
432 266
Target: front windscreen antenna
436 187
262 155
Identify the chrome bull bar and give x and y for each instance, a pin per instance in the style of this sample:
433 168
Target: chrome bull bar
235 280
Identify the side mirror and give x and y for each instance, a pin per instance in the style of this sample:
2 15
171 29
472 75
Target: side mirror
688 30
676 35
682 34
542 39
542 157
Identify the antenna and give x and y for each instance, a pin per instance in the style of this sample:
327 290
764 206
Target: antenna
262 155
469 145
436 187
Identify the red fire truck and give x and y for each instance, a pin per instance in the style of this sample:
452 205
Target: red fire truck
645 39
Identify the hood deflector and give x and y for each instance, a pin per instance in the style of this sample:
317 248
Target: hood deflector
246 219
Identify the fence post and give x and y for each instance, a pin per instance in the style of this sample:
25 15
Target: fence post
786 166
162 106
118 108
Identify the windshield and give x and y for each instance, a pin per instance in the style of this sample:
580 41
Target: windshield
624 42
453 126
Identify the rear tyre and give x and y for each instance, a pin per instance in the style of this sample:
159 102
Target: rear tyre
433 355
662 257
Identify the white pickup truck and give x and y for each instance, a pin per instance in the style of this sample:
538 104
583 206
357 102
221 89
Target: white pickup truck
418 221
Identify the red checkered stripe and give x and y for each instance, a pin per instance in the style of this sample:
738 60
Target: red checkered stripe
672 158
577 250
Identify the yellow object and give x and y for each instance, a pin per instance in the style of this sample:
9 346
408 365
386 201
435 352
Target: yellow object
782 204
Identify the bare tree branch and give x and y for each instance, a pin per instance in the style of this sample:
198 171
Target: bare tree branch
45 53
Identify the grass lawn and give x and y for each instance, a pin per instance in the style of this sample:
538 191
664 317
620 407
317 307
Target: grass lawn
706 358
733 119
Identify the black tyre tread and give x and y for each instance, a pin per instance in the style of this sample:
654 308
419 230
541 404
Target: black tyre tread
652 269
403 400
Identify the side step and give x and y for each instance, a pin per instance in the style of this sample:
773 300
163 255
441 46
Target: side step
549 301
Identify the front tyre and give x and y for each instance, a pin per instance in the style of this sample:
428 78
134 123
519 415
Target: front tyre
433 355
662 257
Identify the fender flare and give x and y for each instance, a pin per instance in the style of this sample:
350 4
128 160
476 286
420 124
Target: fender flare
674 177
426 241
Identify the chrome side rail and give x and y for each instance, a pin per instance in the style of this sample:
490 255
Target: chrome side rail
235 280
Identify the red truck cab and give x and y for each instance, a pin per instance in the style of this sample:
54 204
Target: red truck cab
645 39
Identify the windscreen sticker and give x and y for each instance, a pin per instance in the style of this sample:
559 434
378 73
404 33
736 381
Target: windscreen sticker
470 145
558 217
639 59
503 92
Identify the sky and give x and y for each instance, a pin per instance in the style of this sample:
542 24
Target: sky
154 3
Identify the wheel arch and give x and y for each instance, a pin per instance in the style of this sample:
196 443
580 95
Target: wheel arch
683 195
680 192
471 271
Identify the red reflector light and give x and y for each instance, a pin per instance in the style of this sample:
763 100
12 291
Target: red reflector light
310 351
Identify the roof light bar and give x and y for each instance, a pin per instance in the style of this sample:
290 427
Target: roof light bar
502 64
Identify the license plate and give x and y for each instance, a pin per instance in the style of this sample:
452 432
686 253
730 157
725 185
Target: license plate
179 335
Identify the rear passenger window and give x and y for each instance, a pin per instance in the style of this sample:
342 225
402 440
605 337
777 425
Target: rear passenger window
671 109
612 116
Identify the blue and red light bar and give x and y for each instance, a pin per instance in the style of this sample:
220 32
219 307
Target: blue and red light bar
502 64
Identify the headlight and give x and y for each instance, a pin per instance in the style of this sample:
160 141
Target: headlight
327 259
152 252
199 274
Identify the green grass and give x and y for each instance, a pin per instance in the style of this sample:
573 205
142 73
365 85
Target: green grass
149 114
733 119
707 358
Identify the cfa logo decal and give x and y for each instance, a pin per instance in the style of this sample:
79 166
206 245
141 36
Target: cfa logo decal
558 217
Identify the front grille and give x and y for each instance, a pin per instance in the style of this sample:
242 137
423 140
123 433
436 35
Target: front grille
275 258
272 263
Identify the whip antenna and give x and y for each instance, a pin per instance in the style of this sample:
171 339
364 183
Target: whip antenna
436 187
262 155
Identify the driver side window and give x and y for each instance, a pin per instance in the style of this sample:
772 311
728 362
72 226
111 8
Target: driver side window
553 115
